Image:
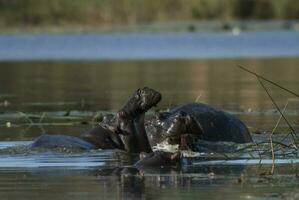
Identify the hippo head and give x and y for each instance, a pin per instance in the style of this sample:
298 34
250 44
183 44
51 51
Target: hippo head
148 98
181 123
140 102
130 119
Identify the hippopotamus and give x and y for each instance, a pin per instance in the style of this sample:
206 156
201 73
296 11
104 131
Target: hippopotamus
184 125
203 121
128 134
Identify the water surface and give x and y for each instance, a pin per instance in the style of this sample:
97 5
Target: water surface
67 92
120 46
63 96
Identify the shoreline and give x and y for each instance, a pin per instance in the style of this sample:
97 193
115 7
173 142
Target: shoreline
235 26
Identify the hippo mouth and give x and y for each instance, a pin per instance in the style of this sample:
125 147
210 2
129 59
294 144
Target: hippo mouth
140 102
148 98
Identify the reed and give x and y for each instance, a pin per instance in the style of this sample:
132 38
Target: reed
260 78
269 81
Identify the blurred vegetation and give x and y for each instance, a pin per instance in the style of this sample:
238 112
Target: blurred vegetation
127 12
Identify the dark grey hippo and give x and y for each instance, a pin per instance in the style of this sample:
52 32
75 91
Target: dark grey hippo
127 134
186 125
128 131
204 121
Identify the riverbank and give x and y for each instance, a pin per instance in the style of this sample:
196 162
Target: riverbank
235 26
43 13
128 15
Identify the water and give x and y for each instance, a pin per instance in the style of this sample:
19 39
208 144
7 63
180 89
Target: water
51 93
148 46
78 184
50 90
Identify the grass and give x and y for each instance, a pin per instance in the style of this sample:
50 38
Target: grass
32 13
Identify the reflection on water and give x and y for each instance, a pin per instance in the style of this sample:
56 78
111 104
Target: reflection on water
106 85
212 183
94 86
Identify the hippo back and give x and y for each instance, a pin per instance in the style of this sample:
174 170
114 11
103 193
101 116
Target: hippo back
217 125
61 141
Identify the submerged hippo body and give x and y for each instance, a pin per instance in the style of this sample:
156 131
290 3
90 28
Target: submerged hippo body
56 141
96 138
205 121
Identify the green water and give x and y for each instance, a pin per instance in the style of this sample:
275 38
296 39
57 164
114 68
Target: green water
80 89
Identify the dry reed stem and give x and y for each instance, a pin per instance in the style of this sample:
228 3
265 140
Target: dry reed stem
270 137
293 134
198 98
40 124
259 77
31 122
265 79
